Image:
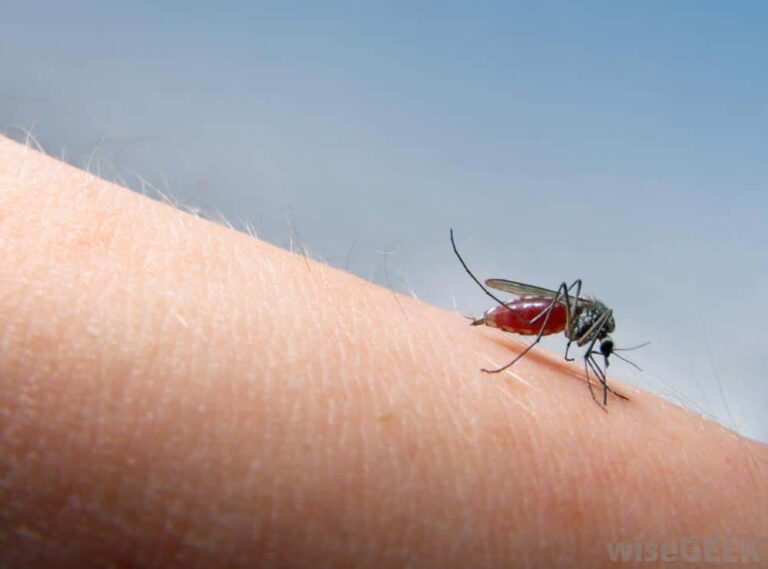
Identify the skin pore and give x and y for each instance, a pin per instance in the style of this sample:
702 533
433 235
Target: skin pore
177 394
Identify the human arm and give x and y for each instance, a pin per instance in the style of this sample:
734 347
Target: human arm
174 393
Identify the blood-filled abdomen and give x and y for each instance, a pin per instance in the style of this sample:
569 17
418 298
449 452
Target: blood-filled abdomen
516 316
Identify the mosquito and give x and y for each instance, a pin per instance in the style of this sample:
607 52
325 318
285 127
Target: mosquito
541 312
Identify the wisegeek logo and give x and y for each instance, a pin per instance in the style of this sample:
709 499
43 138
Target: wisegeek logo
715 550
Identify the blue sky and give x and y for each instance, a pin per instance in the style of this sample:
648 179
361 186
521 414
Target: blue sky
623 144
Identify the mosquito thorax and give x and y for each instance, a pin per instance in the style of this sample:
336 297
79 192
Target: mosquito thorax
587 315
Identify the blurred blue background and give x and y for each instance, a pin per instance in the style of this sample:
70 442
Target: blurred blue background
623 143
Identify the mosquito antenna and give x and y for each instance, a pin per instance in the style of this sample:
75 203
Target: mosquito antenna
630 362
644 344
474 278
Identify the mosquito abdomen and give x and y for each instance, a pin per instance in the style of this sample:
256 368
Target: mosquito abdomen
515 316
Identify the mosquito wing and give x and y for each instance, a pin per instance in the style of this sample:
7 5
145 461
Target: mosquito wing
520 289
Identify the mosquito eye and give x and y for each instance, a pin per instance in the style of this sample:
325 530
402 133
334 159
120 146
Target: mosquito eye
606 347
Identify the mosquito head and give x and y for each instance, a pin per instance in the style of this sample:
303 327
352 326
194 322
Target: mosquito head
606 348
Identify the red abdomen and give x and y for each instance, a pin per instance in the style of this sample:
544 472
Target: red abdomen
516 317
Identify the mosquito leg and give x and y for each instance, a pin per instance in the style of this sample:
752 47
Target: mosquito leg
589 381
600 376
545 312
514 361
568 347
605 384
577 285
570 313
565 288
474 278
530 346
603 378
589 362
569 310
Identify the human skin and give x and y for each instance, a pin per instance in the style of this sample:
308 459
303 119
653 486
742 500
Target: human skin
177 394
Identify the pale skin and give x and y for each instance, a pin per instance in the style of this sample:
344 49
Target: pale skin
177 394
